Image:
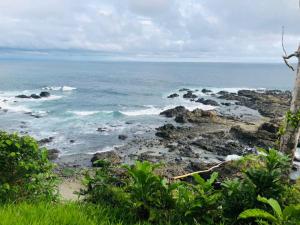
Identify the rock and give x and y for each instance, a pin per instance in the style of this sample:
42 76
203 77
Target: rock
189 94
226 103
186 151
72 141
44 94
184 89
35 96
271 103
179 110
45 140
269 127
122 137
204 90
22 96
181 119
165 131
173 95
53 154
208 102
100 129
110 156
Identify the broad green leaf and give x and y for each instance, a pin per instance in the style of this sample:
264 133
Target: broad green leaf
257 213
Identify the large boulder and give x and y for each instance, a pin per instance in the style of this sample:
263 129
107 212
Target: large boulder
179 110
166 131
44 94
189 94
23 96
208 102
205 91
110 156
173 95
35 96
53 154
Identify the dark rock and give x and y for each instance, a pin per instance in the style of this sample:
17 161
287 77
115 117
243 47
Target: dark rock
208 102
122 137
186 151
166 131
173 95
270 127
100 129
22 96
45 140
44 94
189 94
179 110
35 96
72 141
53 154
184 89
271 103
110 156
204 90
181 119
226 103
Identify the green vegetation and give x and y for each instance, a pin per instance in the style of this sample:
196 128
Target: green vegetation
137 195
25 171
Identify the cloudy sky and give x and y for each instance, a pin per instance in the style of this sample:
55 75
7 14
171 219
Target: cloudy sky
180 30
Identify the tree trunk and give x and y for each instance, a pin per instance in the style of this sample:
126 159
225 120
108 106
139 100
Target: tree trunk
289 140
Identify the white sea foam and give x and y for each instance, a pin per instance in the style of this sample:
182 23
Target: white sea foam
83 113
59 88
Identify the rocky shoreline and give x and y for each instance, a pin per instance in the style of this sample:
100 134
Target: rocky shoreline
192 140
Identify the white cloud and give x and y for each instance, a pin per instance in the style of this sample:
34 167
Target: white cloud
222 29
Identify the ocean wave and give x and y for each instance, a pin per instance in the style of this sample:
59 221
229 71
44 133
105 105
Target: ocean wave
60 88
152 110
83 113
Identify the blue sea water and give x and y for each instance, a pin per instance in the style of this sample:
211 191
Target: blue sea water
118 97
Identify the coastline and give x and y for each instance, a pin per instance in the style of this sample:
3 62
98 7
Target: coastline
196 139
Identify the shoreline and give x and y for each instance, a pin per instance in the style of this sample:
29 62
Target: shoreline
193 140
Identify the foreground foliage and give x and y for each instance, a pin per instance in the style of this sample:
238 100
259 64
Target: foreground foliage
25 171
149 197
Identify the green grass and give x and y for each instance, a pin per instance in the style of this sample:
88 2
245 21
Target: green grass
62 214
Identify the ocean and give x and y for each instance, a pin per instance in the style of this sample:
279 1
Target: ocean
91 103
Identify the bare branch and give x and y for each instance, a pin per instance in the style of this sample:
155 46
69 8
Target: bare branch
202 171
282 42
287 63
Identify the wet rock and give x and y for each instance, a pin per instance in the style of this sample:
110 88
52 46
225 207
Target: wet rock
110 156
204 90
269 127
186 151
122 137
72 141
179 110
44 94
100 129
271 103
150 157
23 96
208 102
53 154
35 96
173 95
189 94
184 89
45 140
166 131
226 103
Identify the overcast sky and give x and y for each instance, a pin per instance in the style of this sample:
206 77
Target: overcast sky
183 30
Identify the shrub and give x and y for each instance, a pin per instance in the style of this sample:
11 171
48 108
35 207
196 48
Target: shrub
289 216
25 171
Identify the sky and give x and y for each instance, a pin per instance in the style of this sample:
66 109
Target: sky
158 30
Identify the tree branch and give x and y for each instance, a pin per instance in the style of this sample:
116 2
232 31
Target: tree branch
197 172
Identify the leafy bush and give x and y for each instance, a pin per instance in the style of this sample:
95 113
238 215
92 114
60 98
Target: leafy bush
25 171
289 216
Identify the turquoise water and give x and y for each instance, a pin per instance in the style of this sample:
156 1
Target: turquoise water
118 97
